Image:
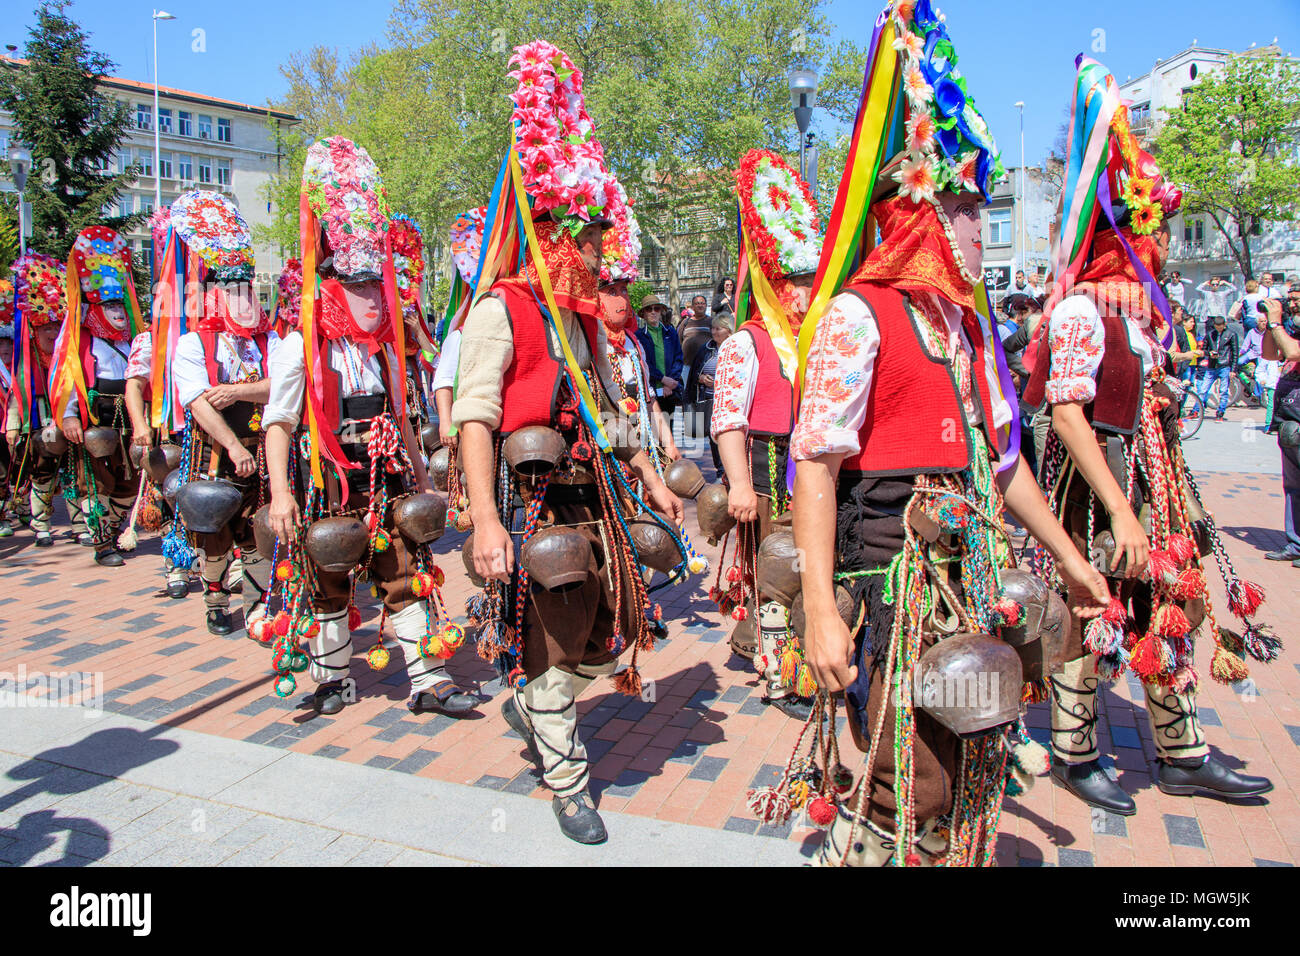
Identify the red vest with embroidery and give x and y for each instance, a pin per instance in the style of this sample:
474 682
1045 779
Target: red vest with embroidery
772 411
532 382
1118 403
915 422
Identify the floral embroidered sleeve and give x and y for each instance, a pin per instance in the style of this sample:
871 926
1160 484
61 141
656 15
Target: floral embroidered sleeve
733 387
139 363
837 382
1077 339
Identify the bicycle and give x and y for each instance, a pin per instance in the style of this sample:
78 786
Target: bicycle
1191 411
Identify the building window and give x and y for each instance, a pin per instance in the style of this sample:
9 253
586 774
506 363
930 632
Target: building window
143 116
223 172
1193 230
146 204
165 165
124 205
144 159
999 226
223 130
205 127
146 254
205 169
184 168
184 123
123 160
164 120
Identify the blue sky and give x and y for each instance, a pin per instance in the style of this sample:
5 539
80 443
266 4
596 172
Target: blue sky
1009 49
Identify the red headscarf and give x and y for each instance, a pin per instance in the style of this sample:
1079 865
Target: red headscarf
914 254
336 319
219 316
573 283
1110 277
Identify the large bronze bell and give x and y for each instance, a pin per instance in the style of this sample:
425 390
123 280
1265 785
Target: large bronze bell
655 546
51 441
162 461
440 469
101 441
430 438
170 483
262 533
1288 434
557 558
1046 655
744 638
135 454
206 505
1030 592
1195 611
969 683
711 512
534 450
337 544
777 572
1102 553
684 478
624 435
467 556
852 612
421 517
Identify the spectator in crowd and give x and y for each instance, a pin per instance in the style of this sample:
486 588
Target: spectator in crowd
1220 348
1216 294
1248 360
1266 288
1016 307
1022 286
1194 343
1283 347
663 350
700 382
1174 290
1028 318
1244 307
694 330
1184 351
724 299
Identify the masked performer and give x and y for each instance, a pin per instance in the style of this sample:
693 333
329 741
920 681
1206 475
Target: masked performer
88 378
466 244
408 268
539 462
906 452
1115 470
753 402
365 509
42 460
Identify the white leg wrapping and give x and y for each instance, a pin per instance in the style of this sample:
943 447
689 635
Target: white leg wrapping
423 672
331 649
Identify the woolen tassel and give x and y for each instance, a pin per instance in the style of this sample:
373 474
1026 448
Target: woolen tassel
127 540
1227 667
769 805
1261 644
1162 567
1171 622
1101 636
1008 610
1244 597
821 811
1190 585
1147 661
1032 757
1114 612
1181 547
628 682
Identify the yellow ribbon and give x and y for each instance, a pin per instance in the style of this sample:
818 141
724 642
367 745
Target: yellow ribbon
774 317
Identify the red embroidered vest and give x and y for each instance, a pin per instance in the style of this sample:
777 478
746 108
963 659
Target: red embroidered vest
772 411
1118 403
915 422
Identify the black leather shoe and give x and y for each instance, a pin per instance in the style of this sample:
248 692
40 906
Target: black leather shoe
578 818
793 706
510 711
177 589
1089 783
1286 554
109 558
328 698
1210 779
445 698
44 539
219 622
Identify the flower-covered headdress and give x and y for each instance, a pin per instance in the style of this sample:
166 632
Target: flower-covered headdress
408 259
210 225
288 298
621 248
40 298
466 248
343 188
6 302
102 261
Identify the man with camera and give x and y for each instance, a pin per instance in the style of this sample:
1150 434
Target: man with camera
1282 344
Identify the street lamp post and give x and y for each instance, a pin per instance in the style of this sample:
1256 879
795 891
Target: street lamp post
803 95
1020 202
20 164
157 130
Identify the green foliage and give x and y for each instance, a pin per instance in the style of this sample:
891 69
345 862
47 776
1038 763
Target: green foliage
679 90
637 291
9 246
1231 147
71 130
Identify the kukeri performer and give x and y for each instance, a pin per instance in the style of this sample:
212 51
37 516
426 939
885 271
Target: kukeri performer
88 379
42 460
906 451
219 374
1115 471
539 424
466 238
754 406
408 267
7 492
366 509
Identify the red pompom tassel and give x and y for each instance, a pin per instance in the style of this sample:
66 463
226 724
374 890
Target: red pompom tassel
281 624
1114 613
1008 610
354 617
821 811
1171 622
1181 547
740 613
1147 661
1244 597
1190 585
1162 567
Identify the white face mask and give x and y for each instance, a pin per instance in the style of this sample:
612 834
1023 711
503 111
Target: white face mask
115 314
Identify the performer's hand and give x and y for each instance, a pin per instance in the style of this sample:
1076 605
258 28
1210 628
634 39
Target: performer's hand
222 396
669 383
828 650
742 503
666 503
1130 543
672 451
72 430
143 437
447 438
12 438
283 516
494 553
243 460
1088 596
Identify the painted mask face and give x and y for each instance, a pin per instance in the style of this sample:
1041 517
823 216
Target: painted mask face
46 336
963 213
589 245
366 303
615 305
115 314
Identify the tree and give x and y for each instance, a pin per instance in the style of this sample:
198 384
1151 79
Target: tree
1231 148
679 90
72 131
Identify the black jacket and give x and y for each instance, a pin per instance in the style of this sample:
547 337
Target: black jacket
1225 343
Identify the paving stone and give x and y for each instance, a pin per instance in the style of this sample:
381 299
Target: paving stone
1125 737
1111 824
382 762
1259 862
172 649
331 751
735 695
1071 857
490 782
1183 831
754 707
415 761
741 825
1208 716
708 768
215 664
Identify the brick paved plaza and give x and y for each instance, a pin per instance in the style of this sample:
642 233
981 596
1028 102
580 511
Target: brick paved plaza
195 761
